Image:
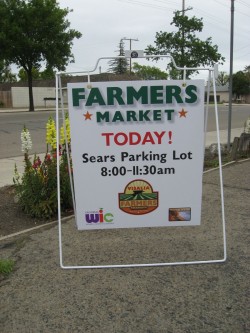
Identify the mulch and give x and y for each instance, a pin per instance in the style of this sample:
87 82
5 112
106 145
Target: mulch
12 218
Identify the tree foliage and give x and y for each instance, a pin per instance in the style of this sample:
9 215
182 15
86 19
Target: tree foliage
119 65
241 84
23 76
47 74
6 74
222 79
247 72
34 32
149 72
184 45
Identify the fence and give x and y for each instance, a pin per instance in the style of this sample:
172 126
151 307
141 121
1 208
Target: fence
5 99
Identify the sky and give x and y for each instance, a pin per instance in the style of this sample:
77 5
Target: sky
104 22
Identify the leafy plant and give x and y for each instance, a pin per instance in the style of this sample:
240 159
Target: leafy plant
35 32
37 187
241 84
149 72
6 266
185 46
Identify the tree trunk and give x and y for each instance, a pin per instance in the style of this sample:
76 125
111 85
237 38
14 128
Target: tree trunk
31 100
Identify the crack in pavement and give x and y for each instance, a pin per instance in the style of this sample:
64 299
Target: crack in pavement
228 186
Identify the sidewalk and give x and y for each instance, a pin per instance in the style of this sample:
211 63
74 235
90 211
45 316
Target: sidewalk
39 296
37 109
7 166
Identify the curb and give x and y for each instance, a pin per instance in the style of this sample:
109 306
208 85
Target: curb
229 163
22 110
64 219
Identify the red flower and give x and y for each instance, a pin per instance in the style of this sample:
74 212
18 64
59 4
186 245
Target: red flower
48 157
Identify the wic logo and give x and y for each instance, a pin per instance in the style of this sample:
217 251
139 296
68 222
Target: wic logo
98 217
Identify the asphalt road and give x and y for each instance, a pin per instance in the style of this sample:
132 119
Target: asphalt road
239 116
11 125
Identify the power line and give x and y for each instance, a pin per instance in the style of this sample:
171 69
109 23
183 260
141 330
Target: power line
244 3
242 55
236 10
145 4
163 1
222 4
241 48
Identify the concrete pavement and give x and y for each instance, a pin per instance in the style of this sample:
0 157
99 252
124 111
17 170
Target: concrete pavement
7 166
41 297
14 110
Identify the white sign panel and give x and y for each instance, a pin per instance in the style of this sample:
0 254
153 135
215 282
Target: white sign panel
137 152
134 53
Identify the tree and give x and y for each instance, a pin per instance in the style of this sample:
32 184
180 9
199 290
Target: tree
222 79
5 73
149 72
119 66
47 74
241 84
247 72
34 32
184 46
23 76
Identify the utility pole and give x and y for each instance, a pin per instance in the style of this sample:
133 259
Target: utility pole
130 47
182 46
182 33
230 76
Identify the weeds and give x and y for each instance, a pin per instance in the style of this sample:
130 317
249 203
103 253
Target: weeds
6 266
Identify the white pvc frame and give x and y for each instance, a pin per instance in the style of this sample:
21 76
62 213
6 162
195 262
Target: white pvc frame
212 73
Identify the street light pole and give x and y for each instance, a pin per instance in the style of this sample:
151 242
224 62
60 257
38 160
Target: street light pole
130 47
230 76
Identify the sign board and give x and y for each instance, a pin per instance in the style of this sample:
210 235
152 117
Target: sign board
134 53
137 153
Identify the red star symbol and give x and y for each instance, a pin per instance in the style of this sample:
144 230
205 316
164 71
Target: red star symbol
182 113
88 115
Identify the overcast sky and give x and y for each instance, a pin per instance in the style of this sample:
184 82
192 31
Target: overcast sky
104 22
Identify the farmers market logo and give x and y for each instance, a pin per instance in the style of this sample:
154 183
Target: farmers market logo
94 217
138 198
